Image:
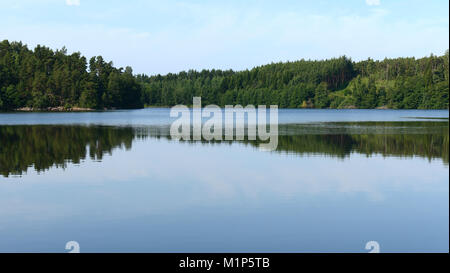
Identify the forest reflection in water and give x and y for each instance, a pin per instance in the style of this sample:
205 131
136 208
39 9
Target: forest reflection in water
46 146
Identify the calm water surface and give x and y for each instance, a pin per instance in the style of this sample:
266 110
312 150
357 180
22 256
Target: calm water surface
116 182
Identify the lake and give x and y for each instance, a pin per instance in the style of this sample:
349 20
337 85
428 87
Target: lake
115 181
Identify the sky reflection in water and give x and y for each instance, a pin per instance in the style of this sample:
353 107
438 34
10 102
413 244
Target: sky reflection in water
152 194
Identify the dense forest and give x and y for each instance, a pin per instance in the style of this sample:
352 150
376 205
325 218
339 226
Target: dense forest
45 79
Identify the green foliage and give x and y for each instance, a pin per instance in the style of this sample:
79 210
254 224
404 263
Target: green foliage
402 83
88 97
43 78
321 98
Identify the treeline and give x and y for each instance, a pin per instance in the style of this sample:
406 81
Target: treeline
402 83
43 78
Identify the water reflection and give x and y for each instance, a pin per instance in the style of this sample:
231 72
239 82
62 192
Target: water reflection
46 146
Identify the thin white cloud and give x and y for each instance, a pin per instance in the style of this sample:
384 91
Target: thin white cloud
73 2
225 36
373 2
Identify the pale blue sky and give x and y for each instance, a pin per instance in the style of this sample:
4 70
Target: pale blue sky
170 36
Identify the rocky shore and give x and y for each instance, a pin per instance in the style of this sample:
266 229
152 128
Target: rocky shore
54 109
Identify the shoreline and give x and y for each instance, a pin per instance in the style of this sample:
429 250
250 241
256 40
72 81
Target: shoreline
54 109
81 109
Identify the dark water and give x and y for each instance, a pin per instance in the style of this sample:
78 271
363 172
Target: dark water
115 182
